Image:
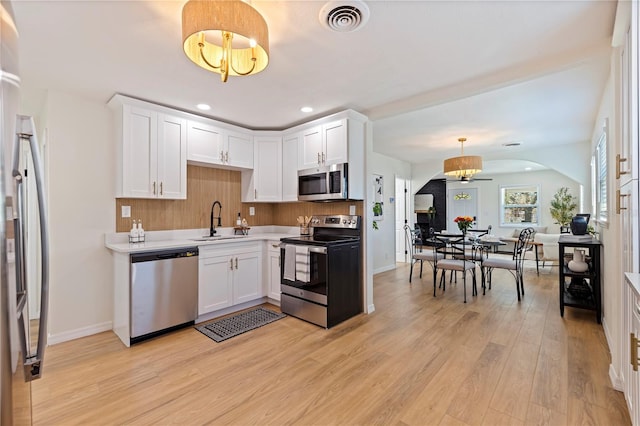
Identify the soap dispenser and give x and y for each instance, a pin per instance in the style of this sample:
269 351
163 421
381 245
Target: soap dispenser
140 231
238 220
133 233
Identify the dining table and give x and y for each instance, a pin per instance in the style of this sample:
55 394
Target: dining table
487 244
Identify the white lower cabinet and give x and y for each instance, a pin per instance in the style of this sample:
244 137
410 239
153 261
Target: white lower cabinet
273 270
228 276
630 371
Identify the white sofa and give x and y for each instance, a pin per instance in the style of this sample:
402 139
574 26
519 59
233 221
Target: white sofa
546 245
549 251
513 237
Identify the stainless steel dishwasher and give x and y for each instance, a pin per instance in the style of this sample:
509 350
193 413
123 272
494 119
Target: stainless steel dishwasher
164 291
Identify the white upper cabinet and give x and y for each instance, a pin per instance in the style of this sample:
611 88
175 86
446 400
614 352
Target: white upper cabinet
324 145
152 151
335 142
205 143
626 162
310 149
239 150
155 143
264 182
290 144
213 145
172 157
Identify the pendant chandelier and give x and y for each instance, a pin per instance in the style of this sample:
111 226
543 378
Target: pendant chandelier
464 166
228 37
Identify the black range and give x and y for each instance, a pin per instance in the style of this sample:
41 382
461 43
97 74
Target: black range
321 274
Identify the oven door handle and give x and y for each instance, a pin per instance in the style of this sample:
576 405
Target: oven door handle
312 249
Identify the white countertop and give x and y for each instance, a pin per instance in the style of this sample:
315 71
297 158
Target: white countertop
160 240
633 279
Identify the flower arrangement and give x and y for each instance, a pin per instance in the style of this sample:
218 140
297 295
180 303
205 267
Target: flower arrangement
464 223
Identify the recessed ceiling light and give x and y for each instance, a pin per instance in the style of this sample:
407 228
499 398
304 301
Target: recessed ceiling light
528 168
306 109
511 144
203 107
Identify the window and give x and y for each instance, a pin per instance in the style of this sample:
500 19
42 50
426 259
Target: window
600 176
519 205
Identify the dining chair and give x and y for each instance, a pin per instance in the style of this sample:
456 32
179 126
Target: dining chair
513 265
455 248
480 232
428 256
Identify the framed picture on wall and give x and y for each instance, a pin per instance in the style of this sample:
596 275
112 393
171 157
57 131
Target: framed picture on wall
378 197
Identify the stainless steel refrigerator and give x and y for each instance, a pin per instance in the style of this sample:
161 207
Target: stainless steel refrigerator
23 278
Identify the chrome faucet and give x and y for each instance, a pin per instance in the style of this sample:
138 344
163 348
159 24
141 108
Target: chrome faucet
212 229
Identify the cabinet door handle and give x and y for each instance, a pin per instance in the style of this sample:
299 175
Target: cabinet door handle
231 263
633 346
255 194
236 263
226 157
275 245
323 158
319 159
161 191
619 197
222 156
154 187
619 161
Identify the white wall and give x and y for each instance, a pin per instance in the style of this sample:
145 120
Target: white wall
384 238
81 191
549 182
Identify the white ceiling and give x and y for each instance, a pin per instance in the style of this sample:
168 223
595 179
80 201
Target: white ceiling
425 72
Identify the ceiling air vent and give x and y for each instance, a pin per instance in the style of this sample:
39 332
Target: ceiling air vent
344 16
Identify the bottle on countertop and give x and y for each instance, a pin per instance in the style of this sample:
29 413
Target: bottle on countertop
133 234
238 220
140 231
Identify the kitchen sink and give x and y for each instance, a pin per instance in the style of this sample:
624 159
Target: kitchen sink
218 238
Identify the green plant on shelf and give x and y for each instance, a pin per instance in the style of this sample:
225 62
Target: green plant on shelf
562 207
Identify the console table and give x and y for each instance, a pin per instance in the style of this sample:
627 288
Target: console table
580 289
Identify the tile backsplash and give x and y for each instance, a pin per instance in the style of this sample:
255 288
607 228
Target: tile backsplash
204 186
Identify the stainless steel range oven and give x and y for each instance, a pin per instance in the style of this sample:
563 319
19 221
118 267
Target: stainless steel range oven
321 275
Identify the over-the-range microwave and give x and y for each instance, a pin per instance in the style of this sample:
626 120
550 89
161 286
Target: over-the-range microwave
323 183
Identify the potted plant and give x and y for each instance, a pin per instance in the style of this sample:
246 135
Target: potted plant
563 206
377 213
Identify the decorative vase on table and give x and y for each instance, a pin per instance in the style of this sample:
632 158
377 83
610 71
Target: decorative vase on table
579 225
578 264
464 223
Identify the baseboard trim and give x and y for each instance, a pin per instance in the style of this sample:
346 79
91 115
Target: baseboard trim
54 339
384 269
616 381
231 309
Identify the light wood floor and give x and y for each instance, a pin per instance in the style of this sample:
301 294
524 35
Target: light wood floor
417 360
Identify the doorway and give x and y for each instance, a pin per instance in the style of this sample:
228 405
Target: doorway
461 202
403 209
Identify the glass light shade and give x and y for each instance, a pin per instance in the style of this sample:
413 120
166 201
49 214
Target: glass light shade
465 165
229 17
